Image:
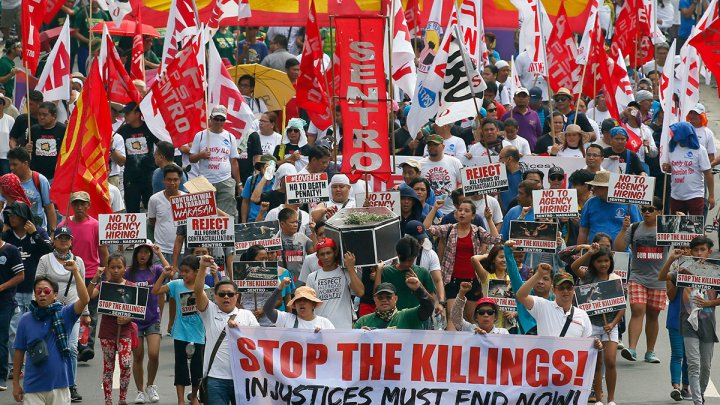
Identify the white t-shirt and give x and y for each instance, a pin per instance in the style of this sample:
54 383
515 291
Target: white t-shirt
159 208
503 96
6 124
443 175
521 144
454 146
429 260
287 320
687 179
707 139
215 321
570 152
497 215
118 144
480 155
551 318
223 147
309 266
333 287
116 199
269 142
597 115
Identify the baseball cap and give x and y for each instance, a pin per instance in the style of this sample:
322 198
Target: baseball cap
416 229
608 124
562 277
486 301
643 95
435 138
556 170
385 287
501 64
536 93
581 176
79 196
63 230
412 163
147 243
263 160
219 111
521 90
698 108
129 107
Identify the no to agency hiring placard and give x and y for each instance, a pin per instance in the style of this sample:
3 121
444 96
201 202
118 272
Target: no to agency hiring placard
679 230
255 276
387 199
601 297
193 206
307 188
122 229
532 236
129 301
555 203
263 233
484 179
631 189
211 232
699 273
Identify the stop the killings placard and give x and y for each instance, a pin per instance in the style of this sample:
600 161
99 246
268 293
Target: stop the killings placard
195 205
123 300
122 229
485 179
679 230
255 276
534 237
601 297
555 203
387 199
307 188
211 232
699 273
631 189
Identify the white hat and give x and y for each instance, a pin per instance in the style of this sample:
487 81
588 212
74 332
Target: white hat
698 108
340 179
521 90
219 111
281 172
501 64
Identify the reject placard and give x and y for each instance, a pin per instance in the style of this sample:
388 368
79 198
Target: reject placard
211 232
196 205
484 179
387 199
631 189
122 229
307 188
555 203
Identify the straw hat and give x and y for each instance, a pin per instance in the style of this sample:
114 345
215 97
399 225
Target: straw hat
602 179
307 293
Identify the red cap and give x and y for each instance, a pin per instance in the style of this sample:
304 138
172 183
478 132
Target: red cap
327 242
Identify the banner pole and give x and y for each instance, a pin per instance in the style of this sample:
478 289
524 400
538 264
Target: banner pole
579 94
27 99
391 90
333 97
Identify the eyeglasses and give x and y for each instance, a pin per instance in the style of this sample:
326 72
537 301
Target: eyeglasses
485 312
218 119
226 294
647 209
265 121
45 290
593 155
557 177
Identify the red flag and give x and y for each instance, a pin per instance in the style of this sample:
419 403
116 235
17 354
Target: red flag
182 25
596 55
33 12
310 92
615 85
137 64
51 9
120 87
563 70
632 33
362 97
707 43
412 16
82 163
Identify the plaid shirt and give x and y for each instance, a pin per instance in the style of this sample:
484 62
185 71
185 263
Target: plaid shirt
447 262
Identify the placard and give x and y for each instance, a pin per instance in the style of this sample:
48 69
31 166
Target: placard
211 232
307 188
679 230
502 293
188 304
388 199
484 179
621 267
555 203
601 297
631 189
699 273
545 163
263 233
122 229
129 301
255 276
196 205
533 237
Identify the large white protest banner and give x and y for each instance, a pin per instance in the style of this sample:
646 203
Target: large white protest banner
281 366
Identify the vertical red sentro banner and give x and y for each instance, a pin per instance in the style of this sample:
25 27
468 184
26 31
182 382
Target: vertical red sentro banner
363 97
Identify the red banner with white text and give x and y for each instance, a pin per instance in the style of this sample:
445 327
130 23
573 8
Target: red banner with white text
391 366
362 96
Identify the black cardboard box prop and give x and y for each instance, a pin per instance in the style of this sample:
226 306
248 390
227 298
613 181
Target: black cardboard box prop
370 242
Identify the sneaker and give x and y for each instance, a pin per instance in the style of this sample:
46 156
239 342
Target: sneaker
74 396
86 355
676 395
3 385
152 393
140 399
598 403
621 346
650 357
611 403
629 354
686 395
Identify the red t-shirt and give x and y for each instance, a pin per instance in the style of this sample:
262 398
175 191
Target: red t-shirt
109 325
463 253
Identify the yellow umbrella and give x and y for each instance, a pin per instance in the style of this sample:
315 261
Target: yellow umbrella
271 86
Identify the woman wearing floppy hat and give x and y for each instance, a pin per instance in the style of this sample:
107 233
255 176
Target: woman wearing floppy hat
302 307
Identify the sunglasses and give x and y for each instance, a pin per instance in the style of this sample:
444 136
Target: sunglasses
485 312
647 209
293 130
226 294
564 287
557 178
561 99
218 119
491 110
384 297
45 290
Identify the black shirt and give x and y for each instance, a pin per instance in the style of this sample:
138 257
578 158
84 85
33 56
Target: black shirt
543 143
19 129
139 148
245 163
633 167
46 143
582 121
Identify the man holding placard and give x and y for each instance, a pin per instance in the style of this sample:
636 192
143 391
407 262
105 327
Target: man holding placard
690 172
599 215
160 216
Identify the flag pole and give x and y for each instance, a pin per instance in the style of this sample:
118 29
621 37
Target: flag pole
27 98
579 94
472 90
332 98
391 90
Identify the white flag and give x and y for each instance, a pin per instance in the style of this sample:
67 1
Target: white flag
667 90
118 10
583 49
403 70
54 82
182 25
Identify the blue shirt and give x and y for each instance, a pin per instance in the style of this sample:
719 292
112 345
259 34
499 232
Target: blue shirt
158 184
250 184
513 215
599 215
188 328
686 23
56 371
507 196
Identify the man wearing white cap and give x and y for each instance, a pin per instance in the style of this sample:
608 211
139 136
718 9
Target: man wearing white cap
699 120
216 151
339 198
529 126
504 89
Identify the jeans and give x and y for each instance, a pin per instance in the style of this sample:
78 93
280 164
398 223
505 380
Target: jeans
92 308
699 358
6 314
82 56
220 391
678 363
137 191
4 166
23 302
73 342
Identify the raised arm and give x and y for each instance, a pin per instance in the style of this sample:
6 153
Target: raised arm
159 287
270 303
201 299
523 294
619 244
